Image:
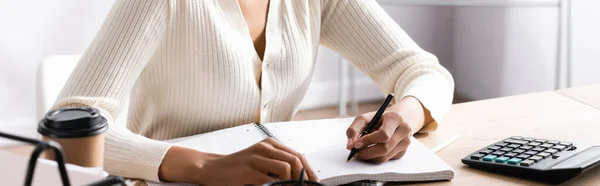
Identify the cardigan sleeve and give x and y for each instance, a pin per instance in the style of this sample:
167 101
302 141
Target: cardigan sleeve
106 74
362 32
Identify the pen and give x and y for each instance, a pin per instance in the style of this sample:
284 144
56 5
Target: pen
373 122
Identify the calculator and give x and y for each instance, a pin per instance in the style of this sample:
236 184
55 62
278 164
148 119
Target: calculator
545 160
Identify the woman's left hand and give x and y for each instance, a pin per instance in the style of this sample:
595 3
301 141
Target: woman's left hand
391 138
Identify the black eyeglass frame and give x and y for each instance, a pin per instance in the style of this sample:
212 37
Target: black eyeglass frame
41 146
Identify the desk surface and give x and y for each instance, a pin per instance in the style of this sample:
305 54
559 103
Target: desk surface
550 115
21 149
589 95
545 115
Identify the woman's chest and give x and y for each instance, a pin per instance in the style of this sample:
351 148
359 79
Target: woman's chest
205 34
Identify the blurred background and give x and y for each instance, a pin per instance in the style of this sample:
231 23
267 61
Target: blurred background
492 48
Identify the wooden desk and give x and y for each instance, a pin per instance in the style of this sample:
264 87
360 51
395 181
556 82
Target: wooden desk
21 149
545 115
589 95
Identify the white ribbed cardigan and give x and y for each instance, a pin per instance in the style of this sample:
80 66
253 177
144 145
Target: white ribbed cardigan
190 67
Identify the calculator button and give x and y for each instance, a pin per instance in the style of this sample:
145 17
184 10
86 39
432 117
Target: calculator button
485 151
511 141
534 144
477 156
514 145
514 161
528 139
523 156
538 149
543 154
505 149
494 148
546 145
501 159
551 151
489 158
501 144
540 140
526 147
566 143
527 163
531 152
559 147
510 154
536 158
554 142
572 148
518 151
516 137
498 153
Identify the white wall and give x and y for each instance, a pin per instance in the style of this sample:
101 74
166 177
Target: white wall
502 51
31 30
508 51
585 50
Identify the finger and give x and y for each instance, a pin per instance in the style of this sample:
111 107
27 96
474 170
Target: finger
357 127
391 122
399 155
387 149
294 163
298 163
310 173
400 148
284 153
273 149
266 165
256 177
375 151
380 149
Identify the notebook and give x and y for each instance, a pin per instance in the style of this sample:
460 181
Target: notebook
323 144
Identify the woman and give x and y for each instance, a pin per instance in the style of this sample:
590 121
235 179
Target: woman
196 66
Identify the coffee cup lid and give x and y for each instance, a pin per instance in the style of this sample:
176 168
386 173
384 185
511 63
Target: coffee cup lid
72 122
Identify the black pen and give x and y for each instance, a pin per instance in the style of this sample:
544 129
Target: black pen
373 122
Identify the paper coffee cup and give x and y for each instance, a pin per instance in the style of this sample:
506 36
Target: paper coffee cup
80 132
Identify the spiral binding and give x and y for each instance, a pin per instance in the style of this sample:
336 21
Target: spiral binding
265 131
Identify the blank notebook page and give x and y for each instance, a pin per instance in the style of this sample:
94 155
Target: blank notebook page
323 142
418 164
224 141
309 136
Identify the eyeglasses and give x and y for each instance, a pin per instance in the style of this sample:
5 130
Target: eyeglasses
41 146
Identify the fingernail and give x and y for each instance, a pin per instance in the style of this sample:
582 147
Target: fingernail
358 145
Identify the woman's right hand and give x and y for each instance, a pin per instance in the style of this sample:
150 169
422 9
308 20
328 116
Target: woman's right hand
261 163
